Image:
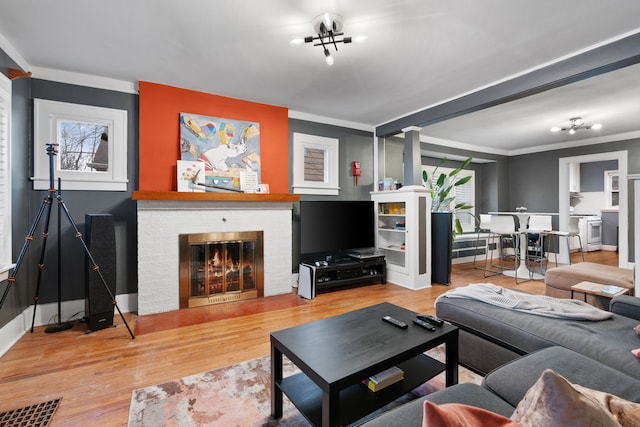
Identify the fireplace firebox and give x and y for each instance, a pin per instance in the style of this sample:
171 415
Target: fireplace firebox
220 267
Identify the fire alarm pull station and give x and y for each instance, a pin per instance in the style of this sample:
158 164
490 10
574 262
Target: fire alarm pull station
355 170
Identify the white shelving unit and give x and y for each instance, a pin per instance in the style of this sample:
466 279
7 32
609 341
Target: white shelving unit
404 234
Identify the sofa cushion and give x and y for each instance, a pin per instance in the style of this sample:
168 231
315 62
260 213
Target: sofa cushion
553 402
410 414
573 366
609 341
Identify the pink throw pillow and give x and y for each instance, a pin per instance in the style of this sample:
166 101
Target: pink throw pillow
459 415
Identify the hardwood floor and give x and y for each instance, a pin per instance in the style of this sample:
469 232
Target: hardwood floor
96 373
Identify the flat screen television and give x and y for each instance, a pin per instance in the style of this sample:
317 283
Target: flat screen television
334 227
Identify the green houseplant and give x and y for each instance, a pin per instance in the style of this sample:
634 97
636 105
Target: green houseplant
441 196
443 227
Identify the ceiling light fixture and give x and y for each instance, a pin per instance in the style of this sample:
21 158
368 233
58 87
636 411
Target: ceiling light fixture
576 124
328 28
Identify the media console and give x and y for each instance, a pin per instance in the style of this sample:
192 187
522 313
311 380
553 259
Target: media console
315 278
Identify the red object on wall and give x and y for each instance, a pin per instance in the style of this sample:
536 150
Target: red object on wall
355 170
160 108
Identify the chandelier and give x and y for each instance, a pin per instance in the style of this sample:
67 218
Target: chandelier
328 28
576 124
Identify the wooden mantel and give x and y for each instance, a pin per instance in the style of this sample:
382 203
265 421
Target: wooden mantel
211 196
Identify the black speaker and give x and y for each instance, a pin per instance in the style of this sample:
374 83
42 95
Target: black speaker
100 237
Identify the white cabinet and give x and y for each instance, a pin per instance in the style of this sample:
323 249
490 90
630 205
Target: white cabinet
574 177
404 234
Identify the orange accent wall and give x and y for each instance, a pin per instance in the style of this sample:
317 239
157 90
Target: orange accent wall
159 127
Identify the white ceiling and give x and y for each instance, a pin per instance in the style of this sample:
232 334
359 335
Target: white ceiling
419 53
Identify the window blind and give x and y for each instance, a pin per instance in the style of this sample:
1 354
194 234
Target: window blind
5 175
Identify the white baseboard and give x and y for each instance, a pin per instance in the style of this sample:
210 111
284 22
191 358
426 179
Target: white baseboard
47 314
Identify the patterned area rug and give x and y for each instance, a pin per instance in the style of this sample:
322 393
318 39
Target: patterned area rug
240 395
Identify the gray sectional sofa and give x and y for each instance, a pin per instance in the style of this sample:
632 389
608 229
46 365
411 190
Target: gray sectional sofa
514 348
503 388
491 336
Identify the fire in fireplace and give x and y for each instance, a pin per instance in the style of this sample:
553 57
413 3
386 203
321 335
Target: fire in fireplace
220 267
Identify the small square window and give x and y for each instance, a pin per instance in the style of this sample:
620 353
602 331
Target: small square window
315 165
92 146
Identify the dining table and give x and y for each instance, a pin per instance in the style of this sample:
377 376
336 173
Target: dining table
523 220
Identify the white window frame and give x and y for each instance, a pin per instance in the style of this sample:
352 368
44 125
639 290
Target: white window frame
609 190
330 146
5 178
467 216
47 117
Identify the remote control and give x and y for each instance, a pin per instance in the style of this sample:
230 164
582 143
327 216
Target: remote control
395 322
424 324
431 319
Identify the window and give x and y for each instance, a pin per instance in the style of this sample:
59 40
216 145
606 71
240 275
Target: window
92 146
5 177
612 188
465 193
315 165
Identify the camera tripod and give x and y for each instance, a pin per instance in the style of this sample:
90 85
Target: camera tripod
45 209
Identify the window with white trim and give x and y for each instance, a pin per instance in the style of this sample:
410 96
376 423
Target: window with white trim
465 193
612 188
315 164
5 177
92 146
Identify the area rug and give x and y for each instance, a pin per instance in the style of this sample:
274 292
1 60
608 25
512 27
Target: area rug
240 395
38 415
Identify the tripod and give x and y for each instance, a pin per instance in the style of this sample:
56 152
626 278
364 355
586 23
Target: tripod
45 209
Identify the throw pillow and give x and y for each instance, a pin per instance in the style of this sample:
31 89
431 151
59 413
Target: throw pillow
626 413
553 402
459 415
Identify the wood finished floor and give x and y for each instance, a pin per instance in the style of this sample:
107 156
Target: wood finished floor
96 373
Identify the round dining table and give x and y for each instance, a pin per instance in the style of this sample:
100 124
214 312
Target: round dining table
523 219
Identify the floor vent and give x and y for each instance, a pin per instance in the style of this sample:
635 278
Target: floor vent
38 415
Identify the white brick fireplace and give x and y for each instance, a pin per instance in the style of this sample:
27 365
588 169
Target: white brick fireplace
161 221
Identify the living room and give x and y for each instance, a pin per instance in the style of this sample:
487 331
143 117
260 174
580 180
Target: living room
502 182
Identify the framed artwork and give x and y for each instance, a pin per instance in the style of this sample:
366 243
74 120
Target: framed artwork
226 147
315 164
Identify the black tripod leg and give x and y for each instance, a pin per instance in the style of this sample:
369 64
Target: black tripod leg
95 266
45 234
28 239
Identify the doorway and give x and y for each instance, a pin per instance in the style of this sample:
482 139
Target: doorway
623 209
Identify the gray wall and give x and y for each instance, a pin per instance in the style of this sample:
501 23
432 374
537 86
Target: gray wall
353 145
26 202
592 174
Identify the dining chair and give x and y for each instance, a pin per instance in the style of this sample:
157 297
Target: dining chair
503 227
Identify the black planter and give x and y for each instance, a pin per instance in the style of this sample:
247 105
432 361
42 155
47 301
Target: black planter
441 227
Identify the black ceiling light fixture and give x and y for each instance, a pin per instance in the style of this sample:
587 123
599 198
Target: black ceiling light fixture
328 28
576 124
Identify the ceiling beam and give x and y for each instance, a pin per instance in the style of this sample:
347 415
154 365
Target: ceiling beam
609 57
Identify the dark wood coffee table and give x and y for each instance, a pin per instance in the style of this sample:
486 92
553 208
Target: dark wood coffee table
335 354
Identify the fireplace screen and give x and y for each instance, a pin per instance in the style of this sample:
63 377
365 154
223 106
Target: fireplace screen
220 267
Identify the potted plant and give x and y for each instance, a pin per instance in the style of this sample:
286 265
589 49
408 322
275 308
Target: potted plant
443 227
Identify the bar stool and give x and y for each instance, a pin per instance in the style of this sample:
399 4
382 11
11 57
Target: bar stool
536 230
504 228
573 231
483 227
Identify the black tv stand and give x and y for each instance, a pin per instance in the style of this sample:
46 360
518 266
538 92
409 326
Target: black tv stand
316 277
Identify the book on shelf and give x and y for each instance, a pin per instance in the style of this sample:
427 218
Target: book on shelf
385 378
611 289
